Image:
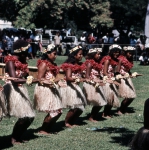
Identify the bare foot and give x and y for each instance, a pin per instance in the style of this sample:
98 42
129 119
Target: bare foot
106 116
68 125
119 113
75 125
43 133
92 120
14 141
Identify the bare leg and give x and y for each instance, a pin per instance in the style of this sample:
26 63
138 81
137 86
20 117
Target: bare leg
125 103
106 113
69 118
48 124
19 128
94 113
77 113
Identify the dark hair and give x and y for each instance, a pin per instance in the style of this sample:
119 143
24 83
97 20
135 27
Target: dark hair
132 52
19 43
90 55
113 50
71 58
45 56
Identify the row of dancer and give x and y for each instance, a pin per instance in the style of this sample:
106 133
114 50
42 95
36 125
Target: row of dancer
104 80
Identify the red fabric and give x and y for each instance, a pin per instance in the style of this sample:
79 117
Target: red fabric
112 62
95 65
125 62
17 63
53 68
74 68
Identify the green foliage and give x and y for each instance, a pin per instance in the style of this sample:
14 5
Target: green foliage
57 14
128 13
77 14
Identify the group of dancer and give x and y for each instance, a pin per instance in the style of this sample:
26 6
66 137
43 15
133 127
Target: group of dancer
104 79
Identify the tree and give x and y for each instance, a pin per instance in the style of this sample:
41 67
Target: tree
56 14
128 14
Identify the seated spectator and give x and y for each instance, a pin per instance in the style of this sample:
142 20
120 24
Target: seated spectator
143 59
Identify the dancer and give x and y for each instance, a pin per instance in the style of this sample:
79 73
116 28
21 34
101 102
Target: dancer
94 93
72 95
17 98
46 95
126 88
111 93
141 140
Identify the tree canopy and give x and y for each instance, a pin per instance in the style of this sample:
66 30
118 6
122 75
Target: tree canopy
81 14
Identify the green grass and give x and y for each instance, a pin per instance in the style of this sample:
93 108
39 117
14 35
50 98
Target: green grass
113 134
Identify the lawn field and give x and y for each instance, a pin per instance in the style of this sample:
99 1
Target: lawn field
110 134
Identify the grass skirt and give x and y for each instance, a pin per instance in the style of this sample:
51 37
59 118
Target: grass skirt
141 140
47 99
94 96
3 105
126 89
73 97
18 102
111 95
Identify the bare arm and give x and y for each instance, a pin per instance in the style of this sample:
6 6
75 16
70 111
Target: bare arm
88 70
105 69
69 75
119 66
11 71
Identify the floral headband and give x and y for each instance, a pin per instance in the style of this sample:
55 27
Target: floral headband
115 46
49 48
95 50
75 48
22 49
128 48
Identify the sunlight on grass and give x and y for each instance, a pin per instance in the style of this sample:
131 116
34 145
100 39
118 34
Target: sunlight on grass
111 134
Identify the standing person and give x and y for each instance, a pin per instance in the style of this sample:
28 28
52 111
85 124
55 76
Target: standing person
94 95
141 140
91 40
72 95
126 88
109 63
46 94
36 45
16 93
57 41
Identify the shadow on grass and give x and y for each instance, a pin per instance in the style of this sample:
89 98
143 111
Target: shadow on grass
98 117
5 142
124 138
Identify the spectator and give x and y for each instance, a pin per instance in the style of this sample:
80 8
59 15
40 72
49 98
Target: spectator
133 41
105 39
143 59
91 40
57 41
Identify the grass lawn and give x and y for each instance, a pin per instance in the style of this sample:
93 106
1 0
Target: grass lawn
112 134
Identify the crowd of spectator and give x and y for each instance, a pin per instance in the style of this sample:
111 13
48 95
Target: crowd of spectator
141 43
8 37
87 40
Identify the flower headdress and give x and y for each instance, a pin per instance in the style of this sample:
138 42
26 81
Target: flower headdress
20 46
94 50
49 48
128 48
75 49
115 46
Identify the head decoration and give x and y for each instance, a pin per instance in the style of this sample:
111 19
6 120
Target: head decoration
94 50
75 49
128 48
50 47
20 46
115 46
